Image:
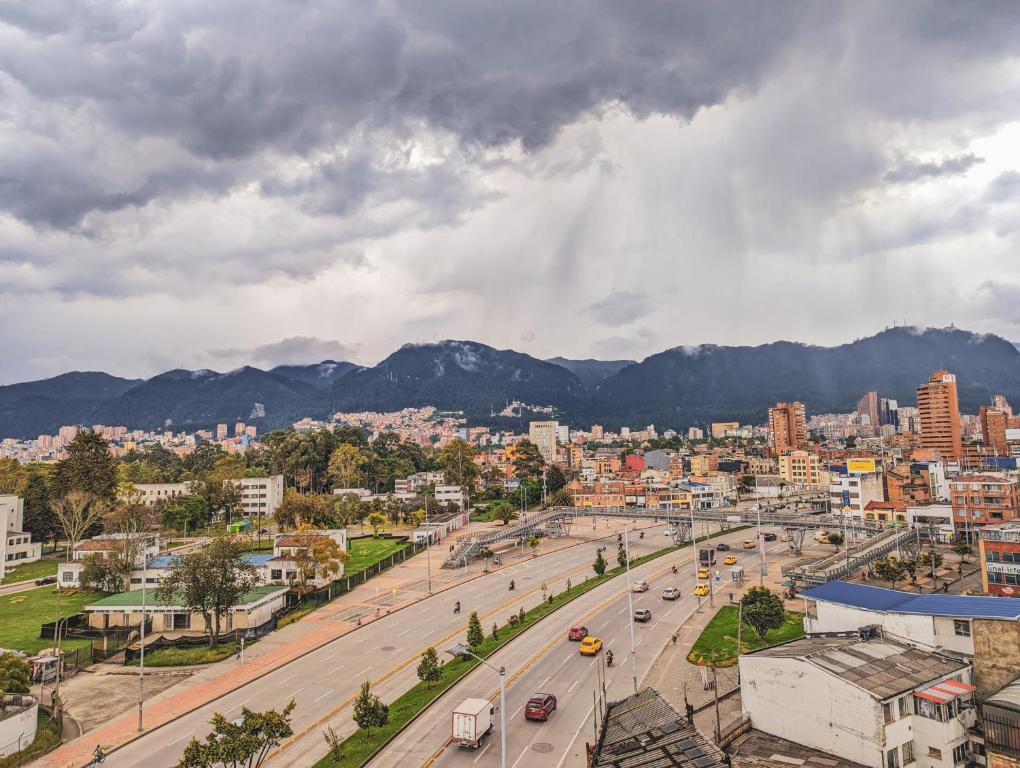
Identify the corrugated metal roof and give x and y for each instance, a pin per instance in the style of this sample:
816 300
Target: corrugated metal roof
893 601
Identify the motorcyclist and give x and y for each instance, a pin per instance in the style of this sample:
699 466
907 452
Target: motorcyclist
609 658
674 569
456 607
512 585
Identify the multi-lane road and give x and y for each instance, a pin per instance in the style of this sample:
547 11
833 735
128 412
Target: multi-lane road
543 660
383 652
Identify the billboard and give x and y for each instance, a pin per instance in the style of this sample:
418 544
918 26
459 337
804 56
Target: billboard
860 466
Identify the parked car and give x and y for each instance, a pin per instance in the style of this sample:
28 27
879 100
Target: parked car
639 586
577 632
771 536
724 547
670 593
701 590
46 580
540 706
642 614
590 646
729 560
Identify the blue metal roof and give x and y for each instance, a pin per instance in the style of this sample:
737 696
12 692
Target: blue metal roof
257 559
163 561
891 600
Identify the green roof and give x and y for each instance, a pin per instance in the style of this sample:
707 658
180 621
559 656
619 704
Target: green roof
133 599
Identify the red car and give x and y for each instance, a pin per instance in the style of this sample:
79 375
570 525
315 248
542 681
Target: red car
540 706
577 632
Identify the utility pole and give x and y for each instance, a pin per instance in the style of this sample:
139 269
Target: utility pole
715 690
428 544
141 638
630 607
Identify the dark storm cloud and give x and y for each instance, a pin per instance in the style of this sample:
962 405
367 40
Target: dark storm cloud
910 170
295 350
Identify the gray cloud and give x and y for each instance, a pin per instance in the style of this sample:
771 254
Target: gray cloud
1004 187
910 170
295 350
622 307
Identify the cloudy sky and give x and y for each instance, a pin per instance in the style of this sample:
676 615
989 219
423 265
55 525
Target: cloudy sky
218 183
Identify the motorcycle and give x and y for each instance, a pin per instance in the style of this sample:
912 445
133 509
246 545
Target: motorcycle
609 658
456 607
674 570
511 585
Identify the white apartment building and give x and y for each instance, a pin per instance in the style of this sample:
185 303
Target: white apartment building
104 546
16 547
450 494
933 516
406 486
876 701
259 495
854 491
544 434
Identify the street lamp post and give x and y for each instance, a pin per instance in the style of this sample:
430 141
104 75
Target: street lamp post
462 650
630 607
428 544
141 638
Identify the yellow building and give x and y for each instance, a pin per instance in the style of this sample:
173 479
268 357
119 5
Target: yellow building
802 469
720 428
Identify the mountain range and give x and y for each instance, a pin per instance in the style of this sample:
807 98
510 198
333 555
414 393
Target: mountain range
678 387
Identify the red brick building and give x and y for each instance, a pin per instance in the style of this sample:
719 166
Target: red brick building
980 500
999 548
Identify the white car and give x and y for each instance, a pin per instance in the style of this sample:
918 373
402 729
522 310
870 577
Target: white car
670 532
670 593
639 586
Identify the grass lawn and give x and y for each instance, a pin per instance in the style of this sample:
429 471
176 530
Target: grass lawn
23 614
181 657
368 551
719 638
47 738
35 570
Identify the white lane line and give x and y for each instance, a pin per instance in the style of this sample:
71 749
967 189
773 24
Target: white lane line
572 686
405 632
545 681
289 678
482 752
523 753
238 706
335 669
182 738
514 715
297 692
584 722
564 661
323 695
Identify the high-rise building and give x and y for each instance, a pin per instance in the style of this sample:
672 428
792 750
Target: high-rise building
239 428
939 412
221 431
596 432
787 427
867 409
888 412
543 435
994 423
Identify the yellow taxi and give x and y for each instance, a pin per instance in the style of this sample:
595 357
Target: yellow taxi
701 590
703 573
729 560
590 646
749 544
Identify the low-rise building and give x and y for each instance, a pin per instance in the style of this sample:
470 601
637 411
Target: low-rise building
106 546
984 500
801 469
260 496
876 701
999 554
850 493
1000 721
450 494
16 545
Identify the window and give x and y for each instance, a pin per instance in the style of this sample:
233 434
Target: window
908 752
887 712
892 758
961 627
960 753
904 711
935 753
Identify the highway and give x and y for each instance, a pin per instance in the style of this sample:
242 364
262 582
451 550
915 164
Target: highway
383 651
545 661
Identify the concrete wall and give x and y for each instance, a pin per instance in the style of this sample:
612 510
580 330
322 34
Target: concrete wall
996 654
932 632
21 724
795 700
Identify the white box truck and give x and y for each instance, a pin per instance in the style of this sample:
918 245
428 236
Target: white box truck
472 722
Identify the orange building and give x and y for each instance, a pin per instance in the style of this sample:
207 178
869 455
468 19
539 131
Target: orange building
994 423
867 408
984 500
787 427
939 411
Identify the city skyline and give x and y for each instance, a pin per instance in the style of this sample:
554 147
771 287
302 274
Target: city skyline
213 188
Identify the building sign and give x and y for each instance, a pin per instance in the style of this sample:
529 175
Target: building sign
860 466
846 498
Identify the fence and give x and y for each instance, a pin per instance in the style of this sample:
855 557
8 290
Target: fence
345 584
132 649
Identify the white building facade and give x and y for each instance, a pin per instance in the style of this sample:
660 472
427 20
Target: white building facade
16 546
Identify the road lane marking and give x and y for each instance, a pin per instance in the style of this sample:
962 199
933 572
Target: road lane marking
523 753
572 686
482 752
584 722
336 669
182 738
238 706
288 678
324 695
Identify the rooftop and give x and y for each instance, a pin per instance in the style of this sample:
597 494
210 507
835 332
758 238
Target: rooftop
133 599
1007 698
644 731
884 668
893 601
756 749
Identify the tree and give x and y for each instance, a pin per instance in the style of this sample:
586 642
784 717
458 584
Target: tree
599 566
417 517
15 674
13 476
621 557
76 513
763 610
963 549
345 465
39 519
247 743
533 542
186 513
377 521
131 523
88 468
369 711
554 479
931 560
836 539
889 570
317 554
503 512
528 461
486 554
428 667
313 509
209 581
561 498
910 568
347 509
457 461
101 574
474 631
